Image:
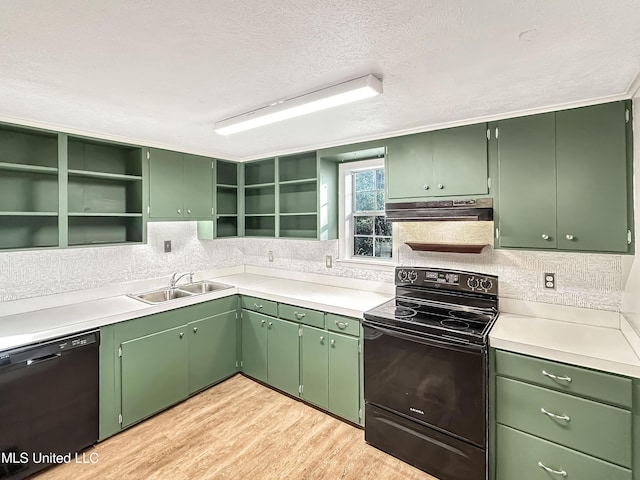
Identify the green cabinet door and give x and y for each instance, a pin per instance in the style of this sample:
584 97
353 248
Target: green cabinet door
254 344
198 186
314 366
460 161
527 182
344 378
409 166
592 178
154 373
283 358
166 174
212 350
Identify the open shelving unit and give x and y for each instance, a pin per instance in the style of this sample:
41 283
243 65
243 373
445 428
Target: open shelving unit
226 201
298 196
260 198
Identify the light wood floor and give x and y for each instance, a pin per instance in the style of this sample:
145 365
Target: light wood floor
238 429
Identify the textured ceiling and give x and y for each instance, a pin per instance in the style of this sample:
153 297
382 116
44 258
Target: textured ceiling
163 72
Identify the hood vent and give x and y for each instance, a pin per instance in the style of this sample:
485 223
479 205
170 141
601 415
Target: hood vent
480 209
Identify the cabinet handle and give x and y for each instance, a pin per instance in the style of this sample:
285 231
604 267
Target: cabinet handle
189 211
195 329
299 315
256 306
440 186
270 324
181 334
551 470
262 322
426 187
555 377
553 415
342 325
569 237
333 342
545 236
321 339
179 211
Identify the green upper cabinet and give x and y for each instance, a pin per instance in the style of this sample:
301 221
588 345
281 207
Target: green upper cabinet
564 180
443 163
180 186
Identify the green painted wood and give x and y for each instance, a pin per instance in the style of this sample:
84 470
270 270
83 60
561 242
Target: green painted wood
154 373
636 429
283 352
409 166
592 178
328 200
599 386
198 187
261 305
212 350
109 395
314 366
460 160
342 324
166 176
491 407
361 375
305 316
344 377
63 202
593 428
527 182
518 456
254 344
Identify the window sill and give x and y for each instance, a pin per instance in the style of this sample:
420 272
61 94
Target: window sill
367 264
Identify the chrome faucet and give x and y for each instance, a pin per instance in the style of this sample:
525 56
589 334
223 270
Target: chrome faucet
175 278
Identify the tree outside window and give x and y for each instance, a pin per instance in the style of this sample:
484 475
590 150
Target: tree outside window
372 235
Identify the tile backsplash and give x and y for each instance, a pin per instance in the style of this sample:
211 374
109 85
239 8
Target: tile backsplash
584 280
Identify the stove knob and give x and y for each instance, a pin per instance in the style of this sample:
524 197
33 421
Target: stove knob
473 283
402 275
486 284
413 276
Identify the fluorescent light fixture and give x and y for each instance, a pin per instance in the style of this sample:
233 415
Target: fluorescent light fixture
345 92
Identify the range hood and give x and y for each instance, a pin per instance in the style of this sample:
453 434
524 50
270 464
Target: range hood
480 209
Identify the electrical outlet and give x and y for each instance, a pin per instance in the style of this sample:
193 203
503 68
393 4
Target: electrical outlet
550 281
328 261
167 246
270 256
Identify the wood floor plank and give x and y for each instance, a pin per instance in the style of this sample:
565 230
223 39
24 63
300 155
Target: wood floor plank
238 429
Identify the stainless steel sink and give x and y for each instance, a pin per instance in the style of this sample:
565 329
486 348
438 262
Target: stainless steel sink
203 287
162 295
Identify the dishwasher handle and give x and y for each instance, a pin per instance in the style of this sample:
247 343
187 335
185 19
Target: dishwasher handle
46 358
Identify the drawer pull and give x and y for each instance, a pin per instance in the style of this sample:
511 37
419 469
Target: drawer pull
555 377
299 316
256 306
342 325
566 418
551 470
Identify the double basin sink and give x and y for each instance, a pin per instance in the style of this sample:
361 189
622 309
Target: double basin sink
166 294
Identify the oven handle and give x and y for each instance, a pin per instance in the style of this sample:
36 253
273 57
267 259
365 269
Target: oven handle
450 344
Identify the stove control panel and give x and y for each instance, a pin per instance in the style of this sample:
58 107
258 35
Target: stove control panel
446 279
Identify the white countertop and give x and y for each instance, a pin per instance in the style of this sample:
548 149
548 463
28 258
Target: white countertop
27 327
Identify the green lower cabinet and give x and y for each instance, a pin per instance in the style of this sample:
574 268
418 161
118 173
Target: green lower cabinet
314 366
283 355
212 350
522 456
154 373
254 344
344 376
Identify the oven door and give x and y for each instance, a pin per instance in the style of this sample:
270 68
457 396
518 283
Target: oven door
438 381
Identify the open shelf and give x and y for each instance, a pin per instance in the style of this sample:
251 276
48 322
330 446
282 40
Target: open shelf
299 226
28 192
92 230
298 197
226 226
17 167
226 200
98 195
297 167
102 158
28 231
105 176
226 173
28 147
447 247
260 200
260 172
260 226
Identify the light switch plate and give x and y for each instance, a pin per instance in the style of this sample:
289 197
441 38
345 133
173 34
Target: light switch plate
167 246
328 261
270 256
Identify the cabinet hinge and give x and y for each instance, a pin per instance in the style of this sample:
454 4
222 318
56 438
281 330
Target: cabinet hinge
489 182
488 134
119 351
236 315
148 155
496 132
120 419
212 211
359 347
626 115
212 167
300 331
148 209
237 364
300 389
628 237
360 414
241 364
497 233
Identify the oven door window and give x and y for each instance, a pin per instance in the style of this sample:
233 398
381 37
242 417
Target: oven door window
439 383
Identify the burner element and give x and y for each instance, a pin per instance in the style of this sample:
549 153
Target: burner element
464 315
454 324
404 312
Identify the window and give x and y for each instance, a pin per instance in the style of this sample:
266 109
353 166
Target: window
365 233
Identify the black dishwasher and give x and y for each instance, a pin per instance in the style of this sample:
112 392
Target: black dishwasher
48 403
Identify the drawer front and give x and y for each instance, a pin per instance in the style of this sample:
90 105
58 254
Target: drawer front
313 318
519 455
593 428
348 325
260 305
601 386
